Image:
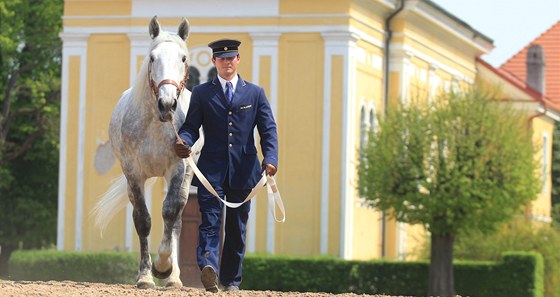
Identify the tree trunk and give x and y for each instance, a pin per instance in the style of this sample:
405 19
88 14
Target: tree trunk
5 253
441 266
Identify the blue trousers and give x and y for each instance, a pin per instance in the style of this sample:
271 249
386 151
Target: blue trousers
233 252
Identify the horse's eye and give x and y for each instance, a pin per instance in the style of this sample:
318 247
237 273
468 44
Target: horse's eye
152 59
184 59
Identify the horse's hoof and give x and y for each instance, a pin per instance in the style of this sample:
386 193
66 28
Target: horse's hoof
174 284
161 275
145 285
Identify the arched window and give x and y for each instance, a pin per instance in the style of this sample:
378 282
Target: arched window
212 73
544 163
373 123
194 78
363 128
201 68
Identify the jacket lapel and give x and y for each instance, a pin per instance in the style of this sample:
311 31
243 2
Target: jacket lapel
239 91
219 92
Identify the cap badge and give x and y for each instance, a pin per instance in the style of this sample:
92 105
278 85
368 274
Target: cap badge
225 48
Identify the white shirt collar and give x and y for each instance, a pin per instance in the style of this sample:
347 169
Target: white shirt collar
233 82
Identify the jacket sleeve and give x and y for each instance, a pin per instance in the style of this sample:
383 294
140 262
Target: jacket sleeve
189 131
267 130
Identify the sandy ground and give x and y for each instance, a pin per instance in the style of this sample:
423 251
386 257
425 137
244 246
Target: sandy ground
81 289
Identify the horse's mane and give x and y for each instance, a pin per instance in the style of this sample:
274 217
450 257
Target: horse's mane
141 83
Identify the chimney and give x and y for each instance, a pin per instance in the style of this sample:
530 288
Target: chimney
535 68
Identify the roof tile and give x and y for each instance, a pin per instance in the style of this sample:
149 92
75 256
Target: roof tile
550 42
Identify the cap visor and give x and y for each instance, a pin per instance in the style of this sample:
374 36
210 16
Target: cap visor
225 55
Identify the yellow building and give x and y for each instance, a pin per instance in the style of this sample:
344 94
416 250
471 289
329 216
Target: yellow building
328 68
542 115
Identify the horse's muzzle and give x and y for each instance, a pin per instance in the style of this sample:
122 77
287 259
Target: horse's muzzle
166 109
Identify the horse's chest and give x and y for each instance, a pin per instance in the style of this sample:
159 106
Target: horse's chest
153 149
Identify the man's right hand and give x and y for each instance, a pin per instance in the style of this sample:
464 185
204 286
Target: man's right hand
182 150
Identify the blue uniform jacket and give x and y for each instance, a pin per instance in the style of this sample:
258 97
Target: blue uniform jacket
229 143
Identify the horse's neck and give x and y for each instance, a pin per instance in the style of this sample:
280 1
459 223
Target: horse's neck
142 99
144 108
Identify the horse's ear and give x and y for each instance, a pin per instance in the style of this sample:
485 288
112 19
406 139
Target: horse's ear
183 31
154 27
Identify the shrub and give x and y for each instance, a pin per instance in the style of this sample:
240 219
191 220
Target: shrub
107 267
517 274
516 237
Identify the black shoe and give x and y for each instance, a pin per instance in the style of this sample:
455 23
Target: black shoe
209 279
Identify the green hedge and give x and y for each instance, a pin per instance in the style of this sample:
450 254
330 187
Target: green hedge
109 267
518 274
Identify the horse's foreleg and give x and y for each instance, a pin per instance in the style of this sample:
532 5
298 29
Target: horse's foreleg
143 224
173 205
174 279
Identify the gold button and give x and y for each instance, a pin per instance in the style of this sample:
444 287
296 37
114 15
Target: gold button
230 145
230 134
230 123
230 113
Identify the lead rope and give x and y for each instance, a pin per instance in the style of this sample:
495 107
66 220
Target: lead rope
274 198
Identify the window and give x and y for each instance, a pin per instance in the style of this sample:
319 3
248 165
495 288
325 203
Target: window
212 73
373 123
544 163
201 68
363 128
194 78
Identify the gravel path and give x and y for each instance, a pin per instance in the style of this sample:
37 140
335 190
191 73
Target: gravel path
82 289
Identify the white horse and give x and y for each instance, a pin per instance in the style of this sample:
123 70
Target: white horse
142 137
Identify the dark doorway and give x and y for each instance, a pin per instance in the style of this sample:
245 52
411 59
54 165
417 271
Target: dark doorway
190 274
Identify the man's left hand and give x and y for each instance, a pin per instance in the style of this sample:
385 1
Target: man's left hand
270 169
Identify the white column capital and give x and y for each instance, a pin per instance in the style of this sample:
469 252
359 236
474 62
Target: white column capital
340 38
265 39
139 39
74 40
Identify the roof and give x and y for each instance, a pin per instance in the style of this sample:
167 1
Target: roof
460 21
521 85
550 42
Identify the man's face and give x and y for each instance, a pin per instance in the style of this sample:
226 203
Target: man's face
226 67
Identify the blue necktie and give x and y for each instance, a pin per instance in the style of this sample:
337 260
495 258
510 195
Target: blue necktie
229 91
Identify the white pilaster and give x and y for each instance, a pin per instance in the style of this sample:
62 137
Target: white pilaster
73 45
399 61
433 81
265 44
341 44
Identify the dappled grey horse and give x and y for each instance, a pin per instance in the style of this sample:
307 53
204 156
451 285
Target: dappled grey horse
142 136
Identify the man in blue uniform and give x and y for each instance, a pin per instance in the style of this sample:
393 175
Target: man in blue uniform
228 108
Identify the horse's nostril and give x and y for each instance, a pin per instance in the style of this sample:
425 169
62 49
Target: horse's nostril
174 107
160 105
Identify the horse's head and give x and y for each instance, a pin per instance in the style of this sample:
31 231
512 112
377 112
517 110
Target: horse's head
168 67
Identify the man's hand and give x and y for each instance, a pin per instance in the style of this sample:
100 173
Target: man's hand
182 150
270 169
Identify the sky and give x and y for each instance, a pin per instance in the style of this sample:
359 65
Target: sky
512 24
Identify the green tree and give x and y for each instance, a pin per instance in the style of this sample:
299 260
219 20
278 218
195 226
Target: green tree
30 63
556 166
465 162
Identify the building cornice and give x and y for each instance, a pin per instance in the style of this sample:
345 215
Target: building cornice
440 19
